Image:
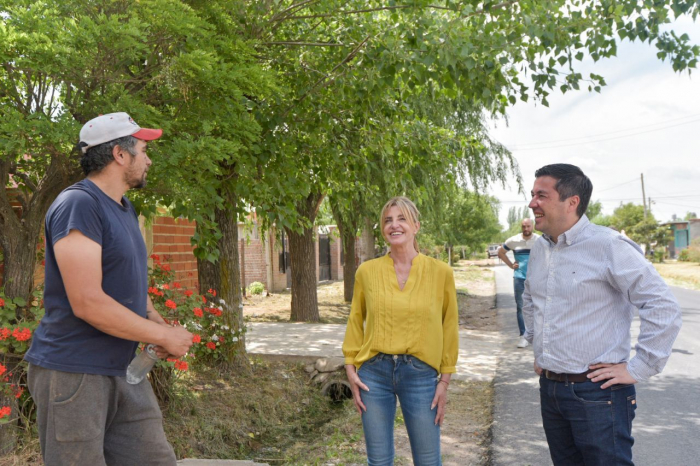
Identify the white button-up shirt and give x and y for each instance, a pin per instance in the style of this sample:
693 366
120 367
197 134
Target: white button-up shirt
581 294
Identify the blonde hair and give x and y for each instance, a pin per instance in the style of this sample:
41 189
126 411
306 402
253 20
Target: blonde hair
408 210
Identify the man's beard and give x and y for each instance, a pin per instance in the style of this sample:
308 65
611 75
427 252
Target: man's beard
134 182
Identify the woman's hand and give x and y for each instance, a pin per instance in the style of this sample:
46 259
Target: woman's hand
355 386
440 400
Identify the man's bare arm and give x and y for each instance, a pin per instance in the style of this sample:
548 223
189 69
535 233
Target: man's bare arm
502 255
80 261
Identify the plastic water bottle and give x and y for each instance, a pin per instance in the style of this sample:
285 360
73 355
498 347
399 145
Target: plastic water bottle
141 365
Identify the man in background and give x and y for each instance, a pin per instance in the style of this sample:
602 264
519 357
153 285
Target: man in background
520 244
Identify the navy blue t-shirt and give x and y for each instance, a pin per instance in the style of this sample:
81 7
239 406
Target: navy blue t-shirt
63 341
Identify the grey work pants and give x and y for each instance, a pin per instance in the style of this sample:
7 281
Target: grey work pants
87 419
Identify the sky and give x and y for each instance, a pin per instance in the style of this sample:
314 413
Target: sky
646 120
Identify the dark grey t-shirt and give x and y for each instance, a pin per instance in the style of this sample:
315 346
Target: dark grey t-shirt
62 341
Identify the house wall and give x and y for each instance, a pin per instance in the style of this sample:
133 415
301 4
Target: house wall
169 238
694 226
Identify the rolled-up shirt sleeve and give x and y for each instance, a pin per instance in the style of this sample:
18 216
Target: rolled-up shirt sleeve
450 327
354 332
659 311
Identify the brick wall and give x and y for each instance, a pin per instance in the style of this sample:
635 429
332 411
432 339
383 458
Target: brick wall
278 279
251 250
170 239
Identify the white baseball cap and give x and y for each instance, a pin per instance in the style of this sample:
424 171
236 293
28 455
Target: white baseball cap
113 126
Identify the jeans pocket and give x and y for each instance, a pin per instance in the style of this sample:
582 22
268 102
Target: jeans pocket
590 393
373 360
419 366
77 410
631 408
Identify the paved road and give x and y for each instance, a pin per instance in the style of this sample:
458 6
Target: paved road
667 426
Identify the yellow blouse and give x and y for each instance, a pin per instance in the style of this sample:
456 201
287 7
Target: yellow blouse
420 320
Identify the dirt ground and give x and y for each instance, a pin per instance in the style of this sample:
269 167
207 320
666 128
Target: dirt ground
465 432
681 274
475 293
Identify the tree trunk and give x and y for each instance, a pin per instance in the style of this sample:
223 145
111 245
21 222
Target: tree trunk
350 266
225 278
348 223
302 254
367 250
19 249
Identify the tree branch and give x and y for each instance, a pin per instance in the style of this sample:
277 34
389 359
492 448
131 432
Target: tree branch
24 177
345 60
304 44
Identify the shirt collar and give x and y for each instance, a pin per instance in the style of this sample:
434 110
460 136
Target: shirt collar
570 236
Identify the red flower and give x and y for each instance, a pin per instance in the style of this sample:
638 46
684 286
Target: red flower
23 334
5 411
177 285
2 369
165 268
153 290
204 300
212 291
155 257
181 365
195 339
2 302
211 345
4 333
170 304
19 391
198 312
189 293
214 311
166 287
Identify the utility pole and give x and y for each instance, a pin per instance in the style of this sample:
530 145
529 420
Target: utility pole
649 204
644 197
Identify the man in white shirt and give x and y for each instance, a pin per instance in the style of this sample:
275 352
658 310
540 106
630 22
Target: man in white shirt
520 244
584 286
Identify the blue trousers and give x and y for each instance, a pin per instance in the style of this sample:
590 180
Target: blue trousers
519 289
414 383
586 425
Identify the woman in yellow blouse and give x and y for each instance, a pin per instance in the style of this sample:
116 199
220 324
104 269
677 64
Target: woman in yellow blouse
402 340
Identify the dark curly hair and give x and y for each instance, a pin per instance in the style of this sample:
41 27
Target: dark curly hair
96 158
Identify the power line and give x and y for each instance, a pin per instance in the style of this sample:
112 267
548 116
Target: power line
652 125
617 186
636 128
607 139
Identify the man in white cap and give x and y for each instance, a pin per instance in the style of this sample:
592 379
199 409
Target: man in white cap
97 310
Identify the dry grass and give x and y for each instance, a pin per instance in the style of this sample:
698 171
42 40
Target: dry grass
681 274
273 416
277 307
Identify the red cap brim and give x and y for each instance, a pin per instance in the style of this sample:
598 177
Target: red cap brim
148 134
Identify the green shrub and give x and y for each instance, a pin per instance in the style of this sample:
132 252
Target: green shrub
690 254
256 288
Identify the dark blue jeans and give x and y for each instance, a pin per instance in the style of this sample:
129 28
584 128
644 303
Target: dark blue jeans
519 288
586 425
413 382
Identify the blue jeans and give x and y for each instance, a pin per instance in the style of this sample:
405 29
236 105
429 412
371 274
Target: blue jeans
586 425
519 288
413 382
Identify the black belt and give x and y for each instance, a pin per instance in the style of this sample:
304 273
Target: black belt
566 377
